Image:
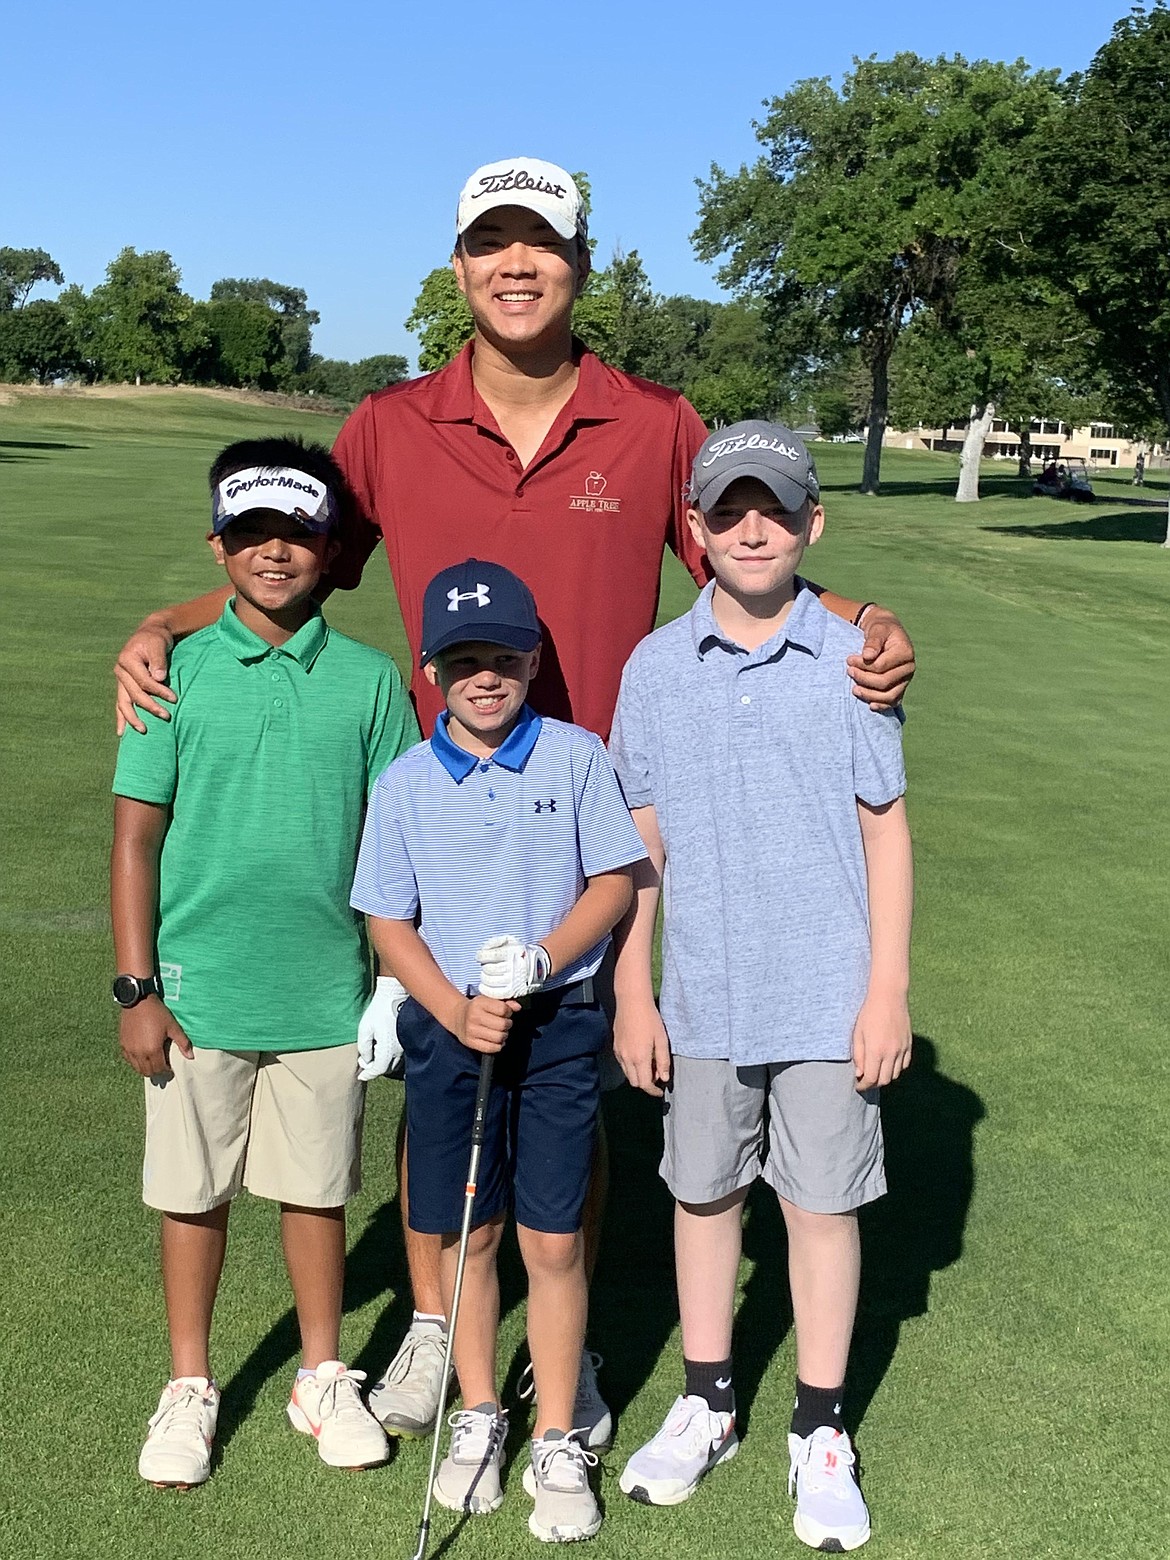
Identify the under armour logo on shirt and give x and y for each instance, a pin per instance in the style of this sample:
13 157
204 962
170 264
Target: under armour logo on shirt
479 595
550 805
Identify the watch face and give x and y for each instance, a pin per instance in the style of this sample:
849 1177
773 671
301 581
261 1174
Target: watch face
126 991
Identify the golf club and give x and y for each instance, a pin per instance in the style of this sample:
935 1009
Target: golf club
486 1061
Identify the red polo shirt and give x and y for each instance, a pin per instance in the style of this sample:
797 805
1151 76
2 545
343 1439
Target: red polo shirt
584 524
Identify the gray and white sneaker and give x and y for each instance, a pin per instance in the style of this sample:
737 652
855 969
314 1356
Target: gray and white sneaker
557 1478
831 1513
469 1476
177 1453
667 1470
591 1413
405 1398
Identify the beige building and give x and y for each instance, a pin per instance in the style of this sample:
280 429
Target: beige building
1097 443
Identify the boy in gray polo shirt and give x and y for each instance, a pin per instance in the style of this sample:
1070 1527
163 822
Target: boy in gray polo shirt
770 802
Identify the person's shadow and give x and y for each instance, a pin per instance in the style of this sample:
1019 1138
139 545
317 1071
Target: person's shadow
916 1229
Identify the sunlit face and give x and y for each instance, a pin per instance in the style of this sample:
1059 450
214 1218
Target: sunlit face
272 560
484 686
753 543
519 276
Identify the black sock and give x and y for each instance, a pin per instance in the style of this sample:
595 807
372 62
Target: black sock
816 1406
711 1379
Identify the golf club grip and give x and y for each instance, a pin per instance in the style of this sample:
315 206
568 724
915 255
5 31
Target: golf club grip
479 1123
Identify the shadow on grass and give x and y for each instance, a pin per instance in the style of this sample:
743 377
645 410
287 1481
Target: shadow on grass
929 1123
33 444
914 1231
1134 524
940 487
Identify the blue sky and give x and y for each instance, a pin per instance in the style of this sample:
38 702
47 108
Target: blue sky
324 145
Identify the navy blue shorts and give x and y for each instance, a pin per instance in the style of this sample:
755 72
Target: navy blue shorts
541 1120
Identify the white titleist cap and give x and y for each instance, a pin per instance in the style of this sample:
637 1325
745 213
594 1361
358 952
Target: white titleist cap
524 181
283 488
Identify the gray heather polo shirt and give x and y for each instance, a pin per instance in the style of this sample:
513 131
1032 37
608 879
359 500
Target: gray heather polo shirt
754 762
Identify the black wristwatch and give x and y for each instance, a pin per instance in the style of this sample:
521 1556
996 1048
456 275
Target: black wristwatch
129 991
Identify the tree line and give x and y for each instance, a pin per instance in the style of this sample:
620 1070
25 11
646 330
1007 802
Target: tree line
139 325
935 241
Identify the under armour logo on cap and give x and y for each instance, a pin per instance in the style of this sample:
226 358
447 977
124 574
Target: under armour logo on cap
505 613
479 595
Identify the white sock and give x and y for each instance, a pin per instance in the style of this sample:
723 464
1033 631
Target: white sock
428 1316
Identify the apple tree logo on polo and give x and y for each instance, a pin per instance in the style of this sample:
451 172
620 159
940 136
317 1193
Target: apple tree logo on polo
479 595
593 500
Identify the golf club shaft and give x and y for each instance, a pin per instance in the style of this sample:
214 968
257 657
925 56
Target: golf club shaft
486 1062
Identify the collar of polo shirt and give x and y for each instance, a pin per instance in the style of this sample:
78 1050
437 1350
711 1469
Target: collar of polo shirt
513 753
804 625
304 647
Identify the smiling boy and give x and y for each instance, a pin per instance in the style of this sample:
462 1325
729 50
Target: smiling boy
244 971
507 837
770 802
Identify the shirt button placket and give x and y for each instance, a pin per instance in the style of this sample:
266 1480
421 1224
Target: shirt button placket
490 811
279 689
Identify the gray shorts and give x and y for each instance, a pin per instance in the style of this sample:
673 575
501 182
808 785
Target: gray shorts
802 1126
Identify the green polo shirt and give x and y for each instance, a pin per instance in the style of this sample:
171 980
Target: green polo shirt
266 764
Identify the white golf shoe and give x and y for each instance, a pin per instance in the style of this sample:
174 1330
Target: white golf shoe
831 1514
592 1420
557 1478
405 1398
177 1453
328 1405
469 1476
667 1470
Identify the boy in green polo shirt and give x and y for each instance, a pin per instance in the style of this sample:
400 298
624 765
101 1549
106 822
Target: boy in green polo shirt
244 972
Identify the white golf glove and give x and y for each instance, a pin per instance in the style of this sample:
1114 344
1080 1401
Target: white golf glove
510 968
377 1037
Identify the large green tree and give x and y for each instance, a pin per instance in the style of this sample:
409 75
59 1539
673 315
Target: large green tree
290 308
1103 211
21 270
865 201
37 342
138 324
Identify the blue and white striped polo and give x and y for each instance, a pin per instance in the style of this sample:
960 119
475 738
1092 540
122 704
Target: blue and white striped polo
494 845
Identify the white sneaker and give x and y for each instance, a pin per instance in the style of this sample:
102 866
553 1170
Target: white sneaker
469 1476
557 1478
591 1415
830 1510
177 1453
328 1405
405 1398
692 1440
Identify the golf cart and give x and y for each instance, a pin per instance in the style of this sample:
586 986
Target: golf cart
1065 478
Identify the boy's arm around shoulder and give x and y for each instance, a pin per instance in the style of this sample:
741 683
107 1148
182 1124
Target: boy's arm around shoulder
145 1031
882 1034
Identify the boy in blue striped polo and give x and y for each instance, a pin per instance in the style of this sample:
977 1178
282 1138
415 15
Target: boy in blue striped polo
506 837
771 803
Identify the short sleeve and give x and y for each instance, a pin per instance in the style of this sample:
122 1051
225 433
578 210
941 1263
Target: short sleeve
384 883
394 728
879 773
355 453
689 433
629 745
606 836
148 764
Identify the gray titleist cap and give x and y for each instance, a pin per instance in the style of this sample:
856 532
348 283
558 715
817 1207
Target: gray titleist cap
767 451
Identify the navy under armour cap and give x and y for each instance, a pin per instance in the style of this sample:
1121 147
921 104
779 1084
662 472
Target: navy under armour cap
476 600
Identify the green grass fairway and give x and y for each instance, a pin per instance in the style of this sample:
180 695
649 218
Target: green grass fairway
1009 1375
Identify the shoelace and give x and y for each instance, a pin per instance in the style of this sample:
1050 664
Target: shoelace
485 1433
570 1450
338 1403
833 1461
691 1425
184 1412
587 1386
403 1362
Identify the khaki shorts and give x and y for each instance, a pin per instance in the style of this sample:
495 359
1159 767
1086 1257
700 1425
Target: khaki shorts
285 1124
801 1126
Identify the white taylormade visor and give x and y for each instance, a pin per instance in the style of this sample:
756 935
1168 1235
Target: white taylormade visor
524 181
283 488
